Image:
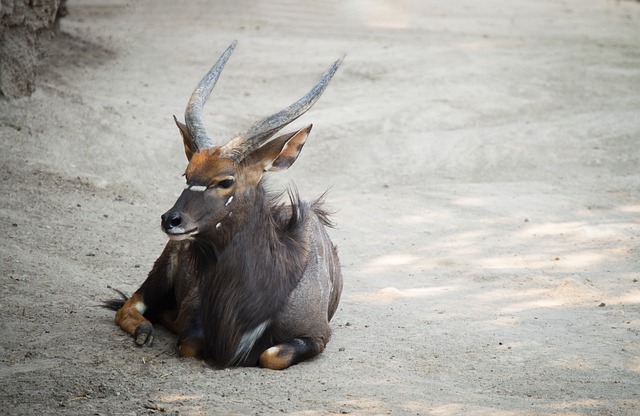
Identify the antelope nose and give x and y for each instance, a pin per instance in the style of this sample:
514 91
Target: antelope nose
171 220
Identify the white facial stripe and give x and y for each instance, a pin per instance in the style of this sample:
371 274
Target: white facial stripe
229 200
196 188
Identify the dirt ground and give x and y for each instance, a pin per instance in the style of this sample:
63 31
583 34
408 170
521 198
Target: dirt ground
482 158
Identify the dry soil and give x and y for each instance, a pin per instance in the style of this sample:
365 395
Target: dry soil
482 159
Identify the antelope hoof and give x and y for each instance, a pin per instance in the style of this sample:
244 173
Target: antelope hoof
144 334
190 348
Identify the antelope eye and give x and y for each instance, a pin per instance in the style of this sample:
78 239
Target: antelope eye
225 183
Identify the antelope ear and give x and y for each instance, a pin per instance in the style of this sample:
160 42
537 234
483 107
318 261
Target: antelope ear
189 148
280 153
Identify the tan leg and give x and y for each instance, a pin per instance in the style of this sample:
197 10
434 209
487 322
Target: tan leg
130 318
287 354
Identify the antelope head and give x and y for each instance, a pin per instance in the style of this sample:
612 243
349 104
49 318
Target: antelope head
222 179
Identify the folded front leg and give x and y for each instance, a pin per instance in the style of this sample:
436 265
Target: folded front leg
130 317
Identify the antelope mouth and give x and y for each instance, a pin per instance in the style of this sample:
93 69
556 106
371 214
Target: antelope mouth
179 233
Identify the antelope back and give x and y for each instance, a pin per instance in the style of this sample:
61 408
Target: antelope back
318 291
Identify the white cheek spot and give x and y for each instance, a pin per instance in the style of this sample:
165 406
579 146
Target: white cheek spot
140 307
218 225
230 214
229 201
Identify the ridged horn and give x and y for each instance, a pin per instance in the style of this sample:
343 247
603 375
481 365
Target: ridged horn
244 143
193 112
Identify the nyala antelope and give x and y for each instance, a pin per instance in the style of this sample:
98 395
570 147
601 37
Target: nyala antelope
244 280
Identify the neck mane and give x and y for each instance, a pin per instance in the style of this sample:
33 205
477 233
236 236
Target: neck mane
247 278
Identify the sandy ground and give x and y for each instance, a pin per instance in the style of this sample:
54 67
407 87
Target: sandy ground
482 159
